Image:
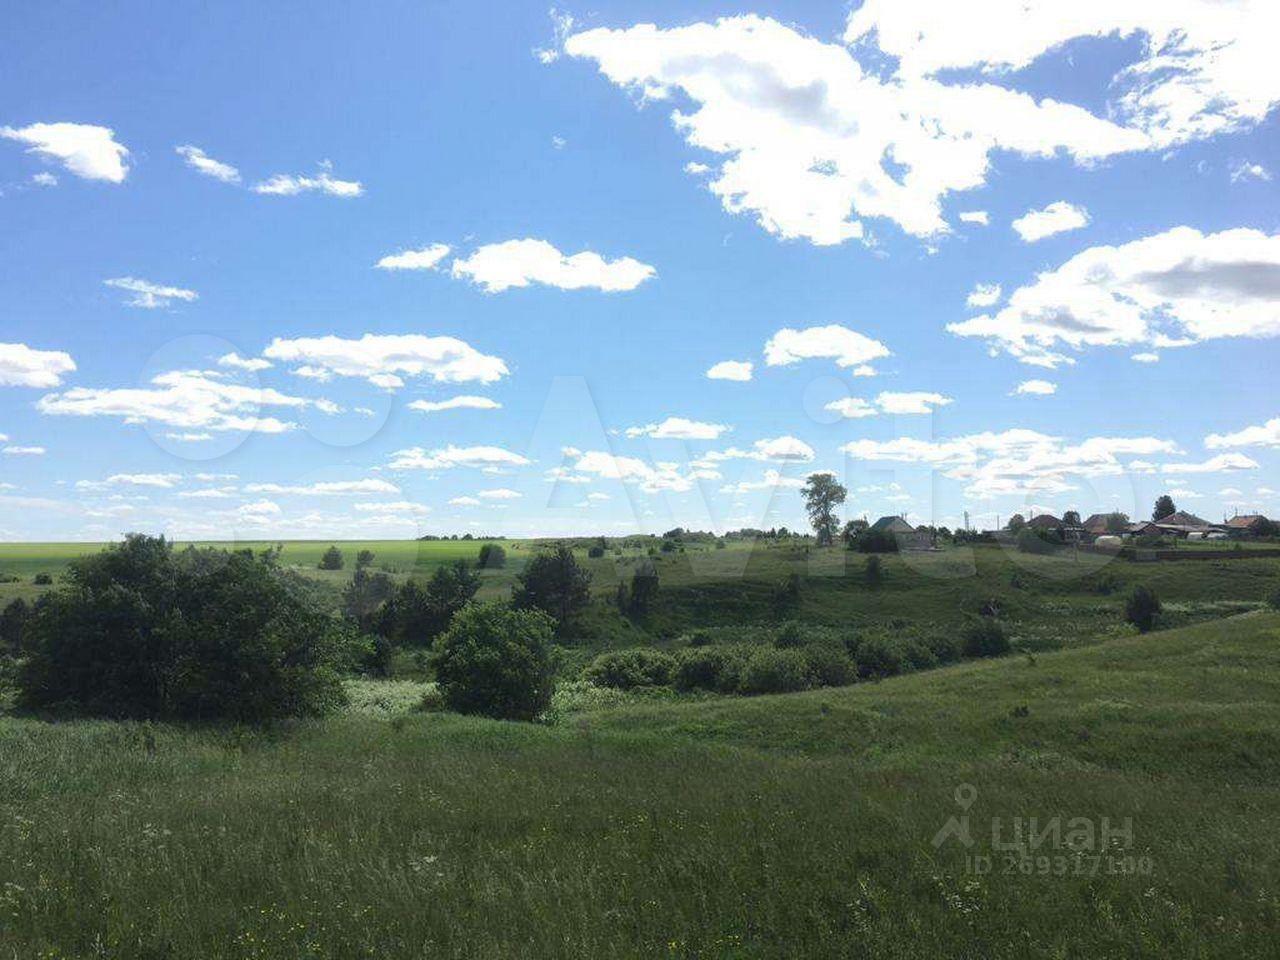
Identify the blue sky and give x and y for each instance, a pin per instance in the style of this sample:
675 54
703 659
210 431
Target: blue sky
197 338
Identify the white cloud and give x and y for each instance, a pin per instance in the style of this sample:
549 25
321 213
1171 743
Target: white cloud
980 217
383 358
464 502
163 481
85 150
784 449
186 399
678 428
1171 289
1205 67
846 347
237 362
810 141
1230 492
650 478
19 451
208 493
325 488
1184 494
259 510
201 162
1224 462
44 179
1244 170
288 185
909 403
150 295
1145 357
395 506
1013 462
416 458
502 493
518 263
855 408
1057 217
739 370
772 480
21 366
426 258
984 295
1266 435
1035 388
598 496
455 403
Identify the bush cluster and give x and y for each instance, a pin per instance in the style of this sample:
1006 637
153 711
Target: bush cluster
496 661
628 669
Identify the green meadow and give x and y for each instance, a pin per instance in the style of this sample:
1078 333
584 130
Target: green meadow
799 825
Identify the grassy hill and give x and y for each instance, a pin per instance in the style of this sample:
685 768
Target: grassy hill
790 826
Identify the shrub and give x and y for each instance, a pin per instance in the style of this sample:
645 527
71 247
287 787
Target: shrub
554 583
13 626
364 559
43 579
140 631
985 637
945 647
626 669
878 657
877 541
496 661
1106 584
770 670
331 559
492 557
827 665
1142 608
1274 600
644 587
595 551
791 634
708 668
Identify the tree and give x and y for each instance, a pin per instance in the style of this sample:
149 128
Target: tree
13 625
822 494
363 559
1164 507
852 531
1071 518
492 557
1142 608
597 549
331 559
418 613
496 661
1117 523
554 583
644 587
1016 523
143 632
364 596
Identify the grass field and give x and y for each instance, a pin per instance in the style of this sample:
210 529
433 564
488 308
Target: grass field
791 826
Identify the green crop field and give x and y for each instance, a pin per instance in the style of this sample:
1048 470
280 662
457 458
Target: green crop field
799 825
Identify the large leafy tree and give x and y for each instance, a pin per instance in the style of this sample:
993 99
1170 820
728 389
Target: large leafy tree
496 661
554 583
1164 507
822 494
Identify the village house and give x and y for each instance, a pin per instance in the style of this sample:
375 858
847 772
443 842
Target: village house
1249 525
906 536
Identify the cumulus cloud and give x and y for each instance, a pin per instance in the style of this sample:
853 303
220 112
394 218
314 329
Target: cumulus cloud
1266 435
88 151
1057 217
1205 66
464 502
237 362
163 481
651 478
44 179
21 451
187 399
1013 462
289 185
394 507
501 493
148 295
416 458
326 488
1244 170
21 366
810 142
739 370
1223 463
1171 289
384 359
784 449
426 258
846 347
980 217
984 295
918 402
464 402
1145 357
1035 388
518 263
678 428
201 162
772 480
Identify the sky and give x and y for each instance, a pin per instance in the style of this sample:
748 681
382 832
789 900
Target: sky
383 270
